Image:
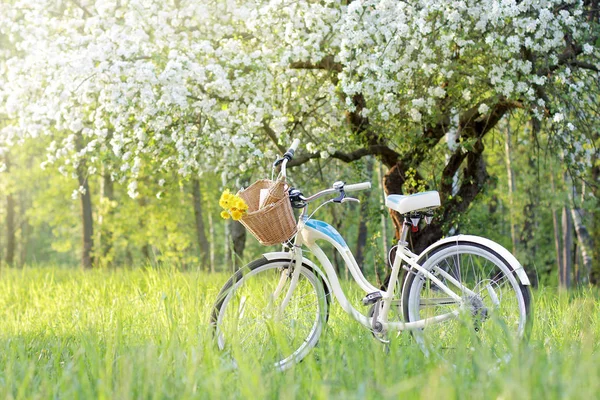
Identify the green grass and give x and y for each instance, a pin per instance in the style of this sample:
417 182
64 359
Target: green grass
144 334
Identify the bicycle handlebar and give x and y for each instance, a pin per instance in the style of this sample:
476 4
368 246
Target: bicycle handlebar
331 191
294 146
357 186
287 156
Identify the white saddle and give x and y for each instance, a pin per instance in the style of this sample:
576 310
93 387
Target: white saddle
413 202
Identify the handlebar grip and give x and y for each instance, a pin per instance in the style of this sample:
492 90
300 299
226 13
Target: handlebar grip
295 145
357 186
290 153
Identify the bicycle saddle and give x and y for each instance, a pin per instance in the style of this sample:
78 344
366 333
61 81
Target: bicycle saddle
413 202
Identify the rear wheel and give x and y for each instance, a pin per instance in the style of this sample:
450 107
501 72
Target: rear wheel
249 320
496 307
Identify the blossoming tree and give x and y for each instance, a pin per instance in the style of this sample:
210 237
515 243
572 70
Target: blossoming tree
197 85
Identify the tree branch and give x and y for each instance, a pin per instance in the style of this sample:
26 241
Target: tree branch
211 95
85 10
585 65
450 170
273 136
568 57
473 124
375 150
475 176
327 64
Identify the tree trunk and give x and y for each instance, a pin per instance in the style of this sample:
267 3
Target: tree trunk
87 257
526 241
227 252
595 273
384 227
107 193
557 230
567 264
577 265
24 229
211 232
361 240
203 245
473 125
474 178
10 223
584 239
238 239
87 221
1 250
511 185
146 253
146 248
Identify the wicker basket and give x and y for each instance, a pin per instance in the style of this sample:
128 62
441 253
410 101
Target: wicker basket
273 223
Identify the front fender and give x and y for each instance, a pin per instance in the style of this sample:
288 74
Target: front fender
284 255
501 251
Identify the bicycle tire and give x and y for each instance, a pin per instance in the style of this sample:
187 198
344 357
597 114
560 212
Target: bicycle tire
282 340
496 313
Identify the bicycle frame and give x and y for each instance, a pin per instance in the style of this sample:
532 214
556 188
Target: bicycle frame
309 231
435 280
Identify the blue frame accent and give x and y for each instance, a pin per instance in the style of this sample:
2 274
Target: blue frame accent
327 230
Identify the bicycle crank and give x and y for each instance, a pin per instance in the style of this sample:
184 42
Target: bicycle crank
376 326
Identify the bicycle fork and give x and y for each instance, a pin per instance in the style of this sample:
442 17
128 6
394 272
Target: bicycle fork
285 276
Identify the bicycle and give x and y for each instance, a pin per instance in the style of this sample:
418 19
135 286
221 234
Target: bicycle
280 302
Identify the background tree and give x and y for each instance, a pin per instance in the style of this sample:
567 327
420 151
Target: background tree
191 87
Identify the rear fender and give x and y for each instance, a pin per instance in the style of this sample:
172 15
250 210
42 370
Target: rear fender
501 251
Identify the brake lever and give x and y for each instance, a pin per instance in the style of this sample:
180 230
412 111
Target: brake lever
345 199
341 197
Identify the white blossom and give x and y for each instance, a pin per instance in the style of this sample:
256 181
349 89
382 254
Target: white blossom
415 115
132 189
199 95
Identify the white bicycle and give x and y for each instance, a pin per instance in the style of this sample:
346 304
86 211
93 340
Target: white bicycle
279 304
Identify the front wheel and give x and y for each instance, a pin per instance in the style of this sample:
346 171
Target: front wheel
495 309
249 320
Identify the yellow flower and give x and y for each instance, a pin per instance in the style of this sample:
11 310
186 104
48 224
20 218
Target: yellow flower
223 199
233 205
241 204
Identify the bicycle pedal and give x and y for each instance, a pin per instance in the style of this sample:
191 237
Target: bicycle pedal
371 298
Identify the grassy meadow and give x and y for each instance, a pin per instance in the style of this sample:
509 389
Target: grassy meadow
144 333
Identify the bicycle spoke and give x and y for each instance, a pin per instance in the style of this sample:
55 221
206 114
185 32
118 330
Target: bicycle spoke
491 299
251 317
439 301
